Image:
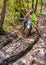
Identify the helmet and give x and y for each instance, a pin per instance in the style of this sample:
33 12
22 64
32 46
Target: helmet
31 11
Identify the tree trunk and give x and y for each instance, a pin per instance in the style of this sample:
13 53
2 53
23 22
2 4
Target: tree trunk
36 5
45 5
41 6
3 15
32 4
28 4
22 3
20 6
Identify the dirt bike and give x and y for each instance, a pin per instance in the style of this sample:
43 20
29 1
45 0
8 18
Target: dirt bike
27 31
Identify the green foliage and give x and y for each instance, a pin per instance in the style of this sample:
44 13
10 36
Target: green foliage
17 9
1 2
38 13
7 26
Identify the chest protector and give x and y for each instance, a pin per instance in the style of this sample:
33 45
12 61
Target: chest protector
33 17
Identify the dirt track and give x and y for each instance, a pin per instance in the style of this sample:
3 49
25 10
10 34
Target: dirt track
21 51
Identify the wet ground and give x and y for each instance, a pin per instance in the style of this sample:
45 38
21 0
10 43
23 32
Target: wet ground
37 55
16 50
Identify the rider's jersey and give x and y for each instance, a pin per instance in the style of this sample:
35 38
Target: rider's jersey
34 18
26 16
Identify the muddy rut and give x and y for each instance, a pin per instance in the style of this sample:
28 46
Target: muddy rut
12 48
16 50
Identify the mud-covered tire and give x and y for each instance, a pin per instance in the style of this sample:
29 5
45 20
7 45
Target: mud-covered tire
27 32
